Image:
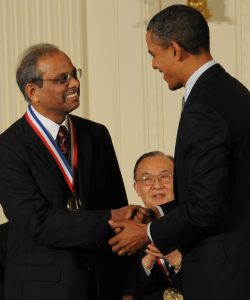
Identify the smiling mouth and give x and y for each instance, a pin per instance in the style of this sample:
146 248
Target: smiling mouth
72 96
159 196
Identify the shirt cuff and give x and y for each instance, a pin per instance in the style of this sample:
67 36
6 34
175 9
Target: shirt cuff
149 224
148 232
160 210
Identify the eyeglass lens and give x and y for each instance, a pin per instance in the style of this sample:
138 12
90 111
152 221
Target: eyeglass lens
162 179
65 78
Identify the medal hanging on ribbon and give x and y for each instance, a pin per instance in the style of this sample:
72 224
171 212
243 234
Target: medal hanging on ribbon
172 294
164 269
69 172
74 203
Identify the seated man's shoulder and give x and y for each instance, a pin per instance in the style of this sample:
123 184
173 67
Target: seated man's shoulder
4 229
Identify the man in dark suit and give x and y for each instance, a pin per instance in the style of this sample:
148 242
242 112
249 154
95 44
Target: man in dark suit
3 254
59 198
210 219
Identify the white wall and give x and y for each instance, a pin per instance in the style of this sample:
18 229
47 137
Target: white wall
127 95
106 38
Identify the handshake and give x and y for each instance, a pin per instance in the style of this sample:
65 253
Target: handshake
130 225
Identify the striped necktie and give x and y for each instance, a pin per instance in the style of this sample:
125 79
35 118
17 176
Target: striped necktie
63 141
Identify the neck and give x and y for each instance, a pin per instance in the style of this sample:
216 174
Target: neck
53 116
194 62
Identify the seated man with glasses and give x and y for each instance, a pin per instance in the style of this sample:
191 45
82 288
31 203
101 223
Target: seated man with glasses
153 182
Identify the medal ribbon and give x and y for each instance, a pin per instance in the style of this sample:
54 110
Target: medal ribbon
164 269
69 172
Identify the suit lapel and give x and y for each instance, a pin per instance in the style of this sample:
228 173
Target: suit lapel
199 86
35 143
84 144
215 70
41 158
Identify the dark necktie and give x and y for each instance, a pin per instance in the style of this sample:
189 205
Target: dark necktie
182 103
63 141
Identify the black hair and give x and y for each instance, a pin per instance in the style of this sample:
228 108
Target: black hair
182 24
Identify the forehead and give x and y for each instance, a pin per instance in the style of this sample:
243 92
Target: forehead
55 63
154 165
149 40
153 44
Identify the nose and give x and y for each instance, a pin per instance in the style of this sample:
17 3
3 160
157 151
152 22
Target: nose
73 82
157 183
154 66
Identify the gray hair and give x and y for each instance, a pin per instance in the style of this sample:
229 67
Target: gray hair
150 154
27 70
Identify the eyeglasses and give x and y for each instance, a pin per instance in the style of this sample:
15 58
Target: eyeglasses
150 179
63 78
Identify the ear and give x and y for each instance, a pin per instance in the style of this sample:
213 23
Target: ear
177 50
137 189
31 91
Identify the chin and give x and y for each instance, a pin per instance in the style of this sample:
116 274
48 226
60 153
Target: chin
74 106
159 201
175 87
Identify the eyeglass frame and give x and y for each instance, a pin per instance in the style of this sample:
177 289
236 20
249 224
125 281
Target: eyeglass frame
60 79
153 177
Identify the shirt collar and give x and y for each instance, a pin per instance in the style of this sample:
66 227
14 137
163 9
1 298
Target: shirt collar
50 125
194 77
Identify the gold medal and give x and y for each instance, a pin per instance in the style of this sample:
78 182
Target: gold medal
74 203
172 294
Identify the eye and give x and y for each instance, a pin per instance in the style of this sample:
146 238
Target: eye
165 178
74 74
63 78
147 179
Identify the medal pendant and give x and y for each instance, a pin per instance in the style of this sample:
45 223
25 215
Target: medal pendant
172 294
74 203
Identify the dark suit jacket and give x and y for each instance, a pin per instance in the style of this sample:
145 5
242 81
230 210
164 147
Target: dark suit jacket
211 218
3 254
54 253
152 286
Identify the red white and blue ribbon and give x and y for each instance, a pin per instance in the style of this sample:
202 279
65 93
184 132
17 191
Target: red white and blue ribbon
47 139
161 262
